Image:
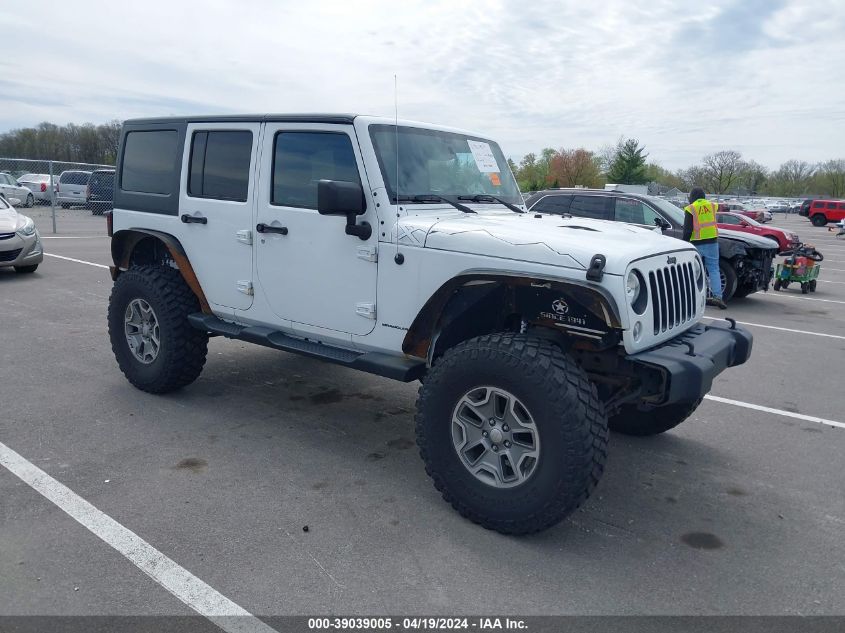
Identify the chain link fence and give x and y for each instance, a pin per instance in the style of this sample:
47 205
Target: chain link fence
48 184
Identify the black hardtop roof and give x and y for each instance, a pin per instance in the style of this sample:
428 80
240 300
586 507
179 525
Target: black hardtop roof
238 118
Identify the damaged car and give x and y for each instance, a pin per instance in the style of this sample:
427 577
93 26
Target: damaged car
745 261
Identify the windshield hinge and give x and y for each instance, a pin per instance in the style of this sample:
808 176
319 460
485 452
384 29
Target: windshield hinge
366 310
244 286
368 253
244 236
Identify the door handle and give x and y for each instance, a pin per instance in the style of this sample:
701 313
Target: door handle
193 219
266 228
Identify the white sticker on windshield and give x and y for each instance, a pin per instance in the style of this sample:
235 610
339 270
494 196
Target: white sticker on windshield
483 155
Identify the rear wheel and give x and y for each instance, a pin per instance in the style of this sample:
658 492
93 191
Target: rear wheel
813 285
819 220
30 201
155 346
511 432
632 421
805 288
65 205
776 285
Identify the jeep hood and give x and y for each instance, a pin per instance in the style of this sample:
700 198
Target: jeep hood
537 238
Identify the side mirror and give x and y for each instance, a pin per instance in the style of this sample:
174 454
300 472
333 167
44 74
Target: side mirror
338 197
663 224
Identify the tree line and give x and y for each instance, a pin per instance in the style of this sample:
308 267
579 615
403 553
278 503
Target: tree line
626 162
87 143
723 172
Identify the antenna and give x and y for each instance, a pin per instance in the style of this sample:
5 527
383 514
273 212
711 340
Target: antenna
398 257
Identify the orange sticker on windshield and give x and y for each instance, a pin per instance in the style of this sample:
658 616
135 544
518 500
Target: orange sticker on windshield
494 178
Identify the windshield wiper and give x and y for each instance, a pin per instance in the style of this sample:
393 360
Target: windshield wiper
484 197
431 197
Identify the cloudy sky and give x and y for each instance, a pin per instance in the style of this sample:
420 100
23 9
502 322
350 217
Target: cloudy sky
765 77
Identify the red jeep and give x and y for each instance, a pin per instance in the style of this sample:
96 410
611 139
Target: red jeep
821 212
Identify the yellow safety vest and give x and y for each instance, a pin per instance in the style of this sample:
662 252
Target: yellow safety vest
703 214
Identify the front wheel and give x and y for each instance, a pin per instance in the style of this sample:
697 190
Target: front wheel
777 284
30 201
511 431
813 285
729 280
819 220
632 421
155 346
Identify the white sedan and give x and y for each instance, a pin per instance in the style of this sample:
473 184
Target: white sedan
11 189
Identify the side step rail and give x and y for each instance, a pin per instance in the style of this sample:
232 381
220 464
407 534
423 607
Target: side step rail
402 368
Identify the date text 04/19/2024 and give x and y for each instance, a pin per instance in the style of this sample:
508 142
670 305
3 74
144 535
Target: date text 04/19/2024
417 624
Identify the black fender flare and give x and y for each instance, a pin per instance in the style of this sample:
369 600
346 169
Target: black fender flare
422 333
124 242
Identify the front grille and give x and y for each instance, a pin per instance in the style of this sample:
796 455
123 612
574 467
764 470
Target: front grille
8 256
673 298
6 236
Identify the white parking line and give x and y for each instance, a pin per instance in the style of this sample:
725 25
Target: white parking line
782 329
78 261
779 295
788 414
199 596
825 281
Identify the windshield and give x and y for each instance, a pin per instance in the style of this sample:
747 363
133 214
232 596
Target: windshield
438 163
675 214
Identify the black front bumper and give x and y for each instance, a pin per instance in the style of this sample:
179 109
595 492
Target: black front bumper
688 363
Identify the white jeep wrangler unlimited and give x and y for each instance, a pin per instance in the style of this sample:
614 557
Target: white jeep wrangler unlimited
406 251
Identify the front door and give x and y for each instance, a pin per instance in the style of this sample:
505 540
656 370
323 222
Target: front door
313 273
217 208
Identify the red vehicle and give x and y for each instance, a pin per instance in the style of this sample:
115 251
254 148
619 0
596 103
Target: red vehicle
786 240
758 215
821 212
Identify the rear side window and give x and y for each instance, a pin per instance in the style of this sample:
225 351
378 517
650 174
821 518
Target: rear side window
301 159
831 205
74 178
589 207
842 206
553 204
220 165
148 160
728 219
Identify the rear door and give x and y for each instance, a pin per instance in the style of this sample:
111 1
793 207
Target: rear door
597 207
216 207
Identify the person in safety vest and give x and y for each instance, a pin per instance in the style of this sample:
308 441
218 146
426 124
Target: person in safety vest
700 229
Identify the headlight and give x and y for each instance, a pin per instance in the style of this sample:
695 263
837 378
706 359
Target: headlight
699 273
632 286
635 289
26 226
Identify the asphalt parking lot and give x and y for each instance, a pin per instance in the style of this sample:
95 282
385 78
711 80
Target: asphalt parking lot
740 510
